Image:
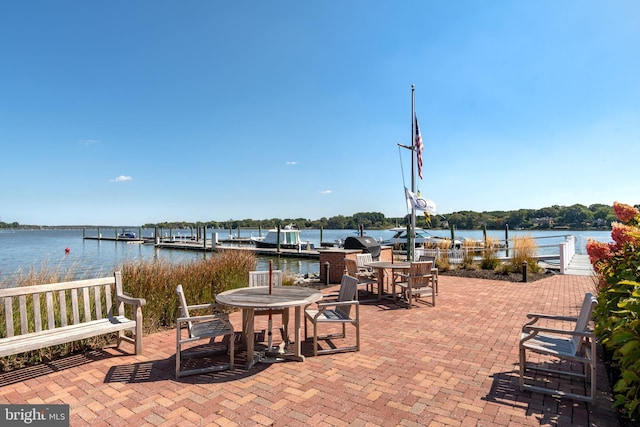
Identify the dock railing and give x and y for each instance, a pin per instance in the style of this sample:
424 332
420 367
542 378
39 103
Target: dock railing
567 251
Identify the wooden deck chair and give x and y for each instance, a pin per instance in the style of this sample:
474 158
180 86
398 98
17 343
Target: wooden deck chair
417 283
364 279
200 328
336 311
362 260
575 345
434 269
261 278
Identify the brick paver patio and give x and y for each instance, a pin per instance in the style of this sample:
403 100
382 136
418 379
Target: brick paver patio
450 365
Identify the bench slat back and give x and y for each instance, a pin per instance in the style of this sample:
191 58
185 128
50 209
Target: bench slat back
93 302
23 314
36 314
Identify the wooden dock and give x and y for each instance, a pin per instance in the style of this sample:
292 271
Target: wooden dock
119 239
199 246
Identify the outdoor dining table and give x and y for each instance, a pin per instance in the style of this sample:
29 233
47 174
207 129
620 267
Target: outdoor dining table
281 297
380 266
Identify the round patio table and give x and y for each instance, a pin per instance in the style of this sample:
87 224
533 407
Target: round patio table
281 297
386 265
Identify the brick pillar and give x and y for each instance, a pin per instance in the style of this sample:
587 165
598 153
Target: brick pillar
335 258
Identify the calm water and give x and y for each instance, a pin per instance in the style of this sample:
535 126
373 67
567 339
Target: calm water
22 250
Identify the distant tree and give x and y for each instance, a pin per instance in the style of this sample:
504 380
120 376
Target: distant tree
577 215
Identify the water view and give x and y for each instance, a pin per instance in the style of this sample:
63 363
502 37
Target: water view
23 250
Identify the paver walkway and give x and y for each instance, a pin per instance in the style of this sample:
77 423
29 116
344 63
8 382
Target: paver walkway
450 365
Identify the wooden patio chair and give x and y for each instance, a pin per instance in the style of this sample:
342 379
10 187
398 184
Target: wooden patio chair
417 283
434 269
364 279
362 260
338 310
200 328
575 345
261 278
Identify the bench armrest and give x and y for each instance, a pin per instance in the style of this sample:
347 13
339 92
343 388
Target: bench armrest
138 302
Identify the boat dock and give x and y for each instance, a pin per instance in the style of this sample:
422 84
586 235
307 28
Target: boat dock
202 247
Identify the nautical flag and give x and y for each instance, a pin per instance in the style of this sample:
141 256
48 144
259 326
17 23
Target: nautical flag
420 203
419 147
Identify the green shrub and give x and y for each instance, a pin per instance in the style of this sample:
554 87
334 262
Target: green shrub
617 314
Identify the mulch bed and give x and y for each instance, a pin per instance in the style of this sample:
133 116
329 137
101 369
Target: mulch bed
469 273
495 275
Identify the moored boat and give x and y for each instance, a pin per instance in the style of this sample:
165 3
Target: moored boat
289 239
423 239
127 235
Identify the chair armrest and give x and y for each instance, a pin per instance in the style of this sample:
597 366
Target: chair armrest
552 317
203 306
536 329
138 302
337 303
196 319
537 316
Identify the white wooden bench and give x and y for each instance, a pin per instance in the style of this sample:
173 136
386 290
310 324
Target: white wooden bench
38 316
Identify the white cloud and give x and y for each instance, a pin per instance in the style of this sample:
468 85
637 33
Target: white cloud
89 141
292 163
325 192
121 178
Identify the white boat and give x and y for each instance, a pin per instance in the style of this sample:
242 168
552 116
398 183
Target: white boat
289 239
423 238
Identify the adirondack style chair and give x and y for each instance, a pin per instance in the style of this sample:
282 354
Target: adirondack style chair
199 328
336 310
572 345
417 283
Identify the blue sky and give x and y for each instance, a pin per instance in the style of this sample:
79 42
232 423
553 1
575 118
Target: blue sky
129 112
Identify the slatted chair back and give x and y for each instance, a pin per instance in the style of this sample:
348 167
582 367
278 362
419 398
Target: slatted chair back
363 259
184 308
420 273
261 278
582 324
424 258
351 267
348 289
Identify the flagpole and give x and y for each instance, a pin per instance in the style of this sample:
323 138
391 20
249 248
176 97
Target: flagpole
411 255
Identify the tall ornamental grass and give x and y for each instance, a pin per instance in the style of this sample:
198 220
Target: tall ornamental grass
442 261
490 259
156 282
524 249
617 315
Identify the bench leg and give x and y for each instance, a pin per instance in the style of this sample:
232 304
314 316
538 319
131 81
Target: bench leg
138 336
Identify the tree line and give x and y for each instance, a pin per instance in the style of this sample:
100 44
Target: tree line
597 216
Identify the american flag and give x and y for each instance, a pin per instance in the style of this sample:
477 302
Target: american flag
419 147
